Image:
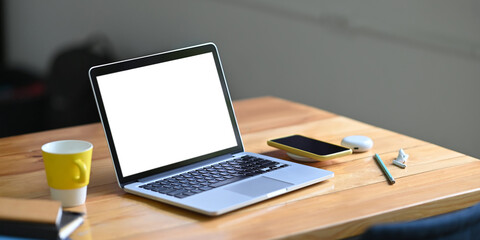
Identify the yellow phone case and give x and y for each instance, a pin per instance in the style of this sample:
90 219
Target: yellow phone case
303 153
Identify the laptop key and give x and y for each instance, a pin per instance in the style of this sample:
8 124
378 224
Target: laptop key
184 194
181 195
189 193
206 188
163 190
265 165
179 191
227 181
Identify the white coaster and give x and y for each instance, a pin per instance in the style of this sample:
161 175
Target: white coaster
300 158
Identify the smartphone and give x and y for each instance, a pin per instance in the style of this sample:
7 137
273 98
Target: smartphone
309 147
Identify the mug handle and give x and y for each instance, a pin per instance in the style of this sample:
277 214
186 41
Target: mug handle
82 178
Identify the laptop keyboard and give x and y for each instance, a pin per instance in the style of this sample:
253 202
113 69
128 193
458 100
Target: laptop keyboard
213 176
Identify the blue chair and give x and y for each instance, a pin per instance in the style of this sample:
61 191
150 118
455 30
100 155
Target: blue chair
463 224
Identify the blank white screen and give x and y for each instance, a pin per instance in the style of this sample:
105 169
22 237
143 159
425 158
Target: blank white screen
166 113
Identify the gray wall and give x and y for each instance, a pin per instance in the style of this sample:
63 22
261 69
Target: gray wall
410 66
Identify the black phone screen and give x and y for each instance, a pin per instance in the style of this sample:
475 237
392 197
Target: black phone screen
310 145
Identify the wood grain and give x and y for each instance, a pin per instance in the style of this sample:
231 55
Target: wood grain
436 180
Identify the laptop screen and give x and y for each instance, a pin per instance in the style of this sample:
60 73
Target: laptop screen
166 113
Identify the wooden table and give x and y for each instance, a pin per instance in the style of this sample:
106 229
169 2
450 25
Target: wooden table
437 180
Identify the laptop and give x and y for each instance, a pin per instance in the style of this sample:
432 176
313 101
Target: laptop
173 136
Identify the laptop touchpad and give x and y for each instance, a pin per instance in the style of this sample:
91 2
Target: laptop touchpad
258 186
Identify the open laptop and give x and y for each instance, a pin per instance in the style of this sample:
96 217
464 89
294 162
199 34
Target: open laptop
173 137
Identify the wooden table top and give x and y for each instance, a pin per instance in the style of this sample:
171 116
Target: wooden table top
436 180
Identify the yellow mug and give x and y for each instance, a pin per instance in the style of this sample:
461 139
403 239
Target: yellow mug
67 166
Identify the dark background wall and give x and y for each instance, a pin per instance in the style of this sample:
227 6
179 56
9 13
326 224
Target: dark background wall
2 34
409 66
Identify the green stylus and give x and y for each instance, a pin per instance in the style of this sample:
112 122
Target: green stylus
385 171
